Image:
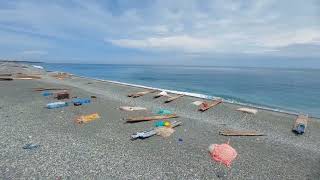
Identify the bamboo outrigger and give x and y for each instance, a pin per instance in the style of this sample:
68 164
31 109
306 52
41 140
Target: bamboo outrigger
138 94
173 98
150 118
207 105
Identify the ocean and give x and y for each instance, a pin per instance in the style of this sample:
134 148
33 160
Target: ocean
285 90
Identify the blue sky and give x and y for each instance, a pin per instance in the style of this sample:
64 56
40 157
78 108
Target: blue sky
214 32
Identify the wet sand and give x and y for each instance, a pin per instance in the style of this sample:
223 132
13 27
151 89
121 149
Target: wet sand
103 148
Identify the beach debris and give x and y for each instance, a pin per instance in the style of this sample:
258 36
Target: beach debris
93 97
150 118
31 146
47 93
239 133
57 105
174 98
151 132
197 103
38 67
300 124
207 105
220 174
87 118
81 101
77 104
223 153
49 89
25 76
164 131
5 79
61 75
162 93
138 94
62 95
248 110
131 108
164 112
162 123
180 140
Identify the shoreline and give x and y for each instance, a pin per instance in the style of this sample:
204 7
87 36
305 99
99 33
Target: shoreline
195 95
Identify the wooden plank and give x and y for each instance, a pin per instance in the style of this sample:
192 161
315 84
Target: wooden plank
240 133
132 108
150 118
138 94
174 98
25 76
49 89
5 74
5 79
207 105
163 93
248 110
157 96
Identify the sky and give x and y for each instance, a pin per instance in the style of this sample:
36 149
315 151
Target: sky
188 32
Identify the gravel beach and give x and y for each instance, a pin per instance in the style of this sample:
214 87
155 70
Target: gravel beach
102 149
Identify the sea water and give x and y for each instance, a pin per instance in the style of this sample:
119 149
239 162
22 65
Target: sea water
288 90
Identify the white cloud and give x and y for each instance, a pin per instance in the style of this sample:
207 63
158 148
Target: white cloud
183 42
34 52
303 36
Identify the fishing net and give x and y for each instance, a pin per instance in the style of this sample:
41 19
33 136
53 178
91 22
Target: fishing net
223 153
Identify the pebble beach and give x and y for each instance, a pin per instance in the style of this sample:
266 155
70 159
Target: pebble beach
103 148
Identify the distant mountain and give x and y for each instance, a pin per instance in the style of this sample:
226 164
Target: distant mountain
18 61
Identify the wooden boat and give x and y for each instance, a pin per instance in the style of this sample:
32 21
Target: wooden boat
240 133
138 94
173 98
300 124
207 105
150 118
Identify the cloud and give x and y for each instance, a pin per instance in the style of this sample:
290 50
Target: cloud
183 42
209 26
34 52
303 36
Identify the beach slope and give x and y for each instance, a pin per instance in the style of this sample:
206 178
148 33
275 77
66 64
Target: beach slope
103 149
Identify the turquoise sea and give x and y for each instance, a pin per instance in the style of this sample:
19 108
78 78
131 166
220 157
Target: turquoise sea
279 89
